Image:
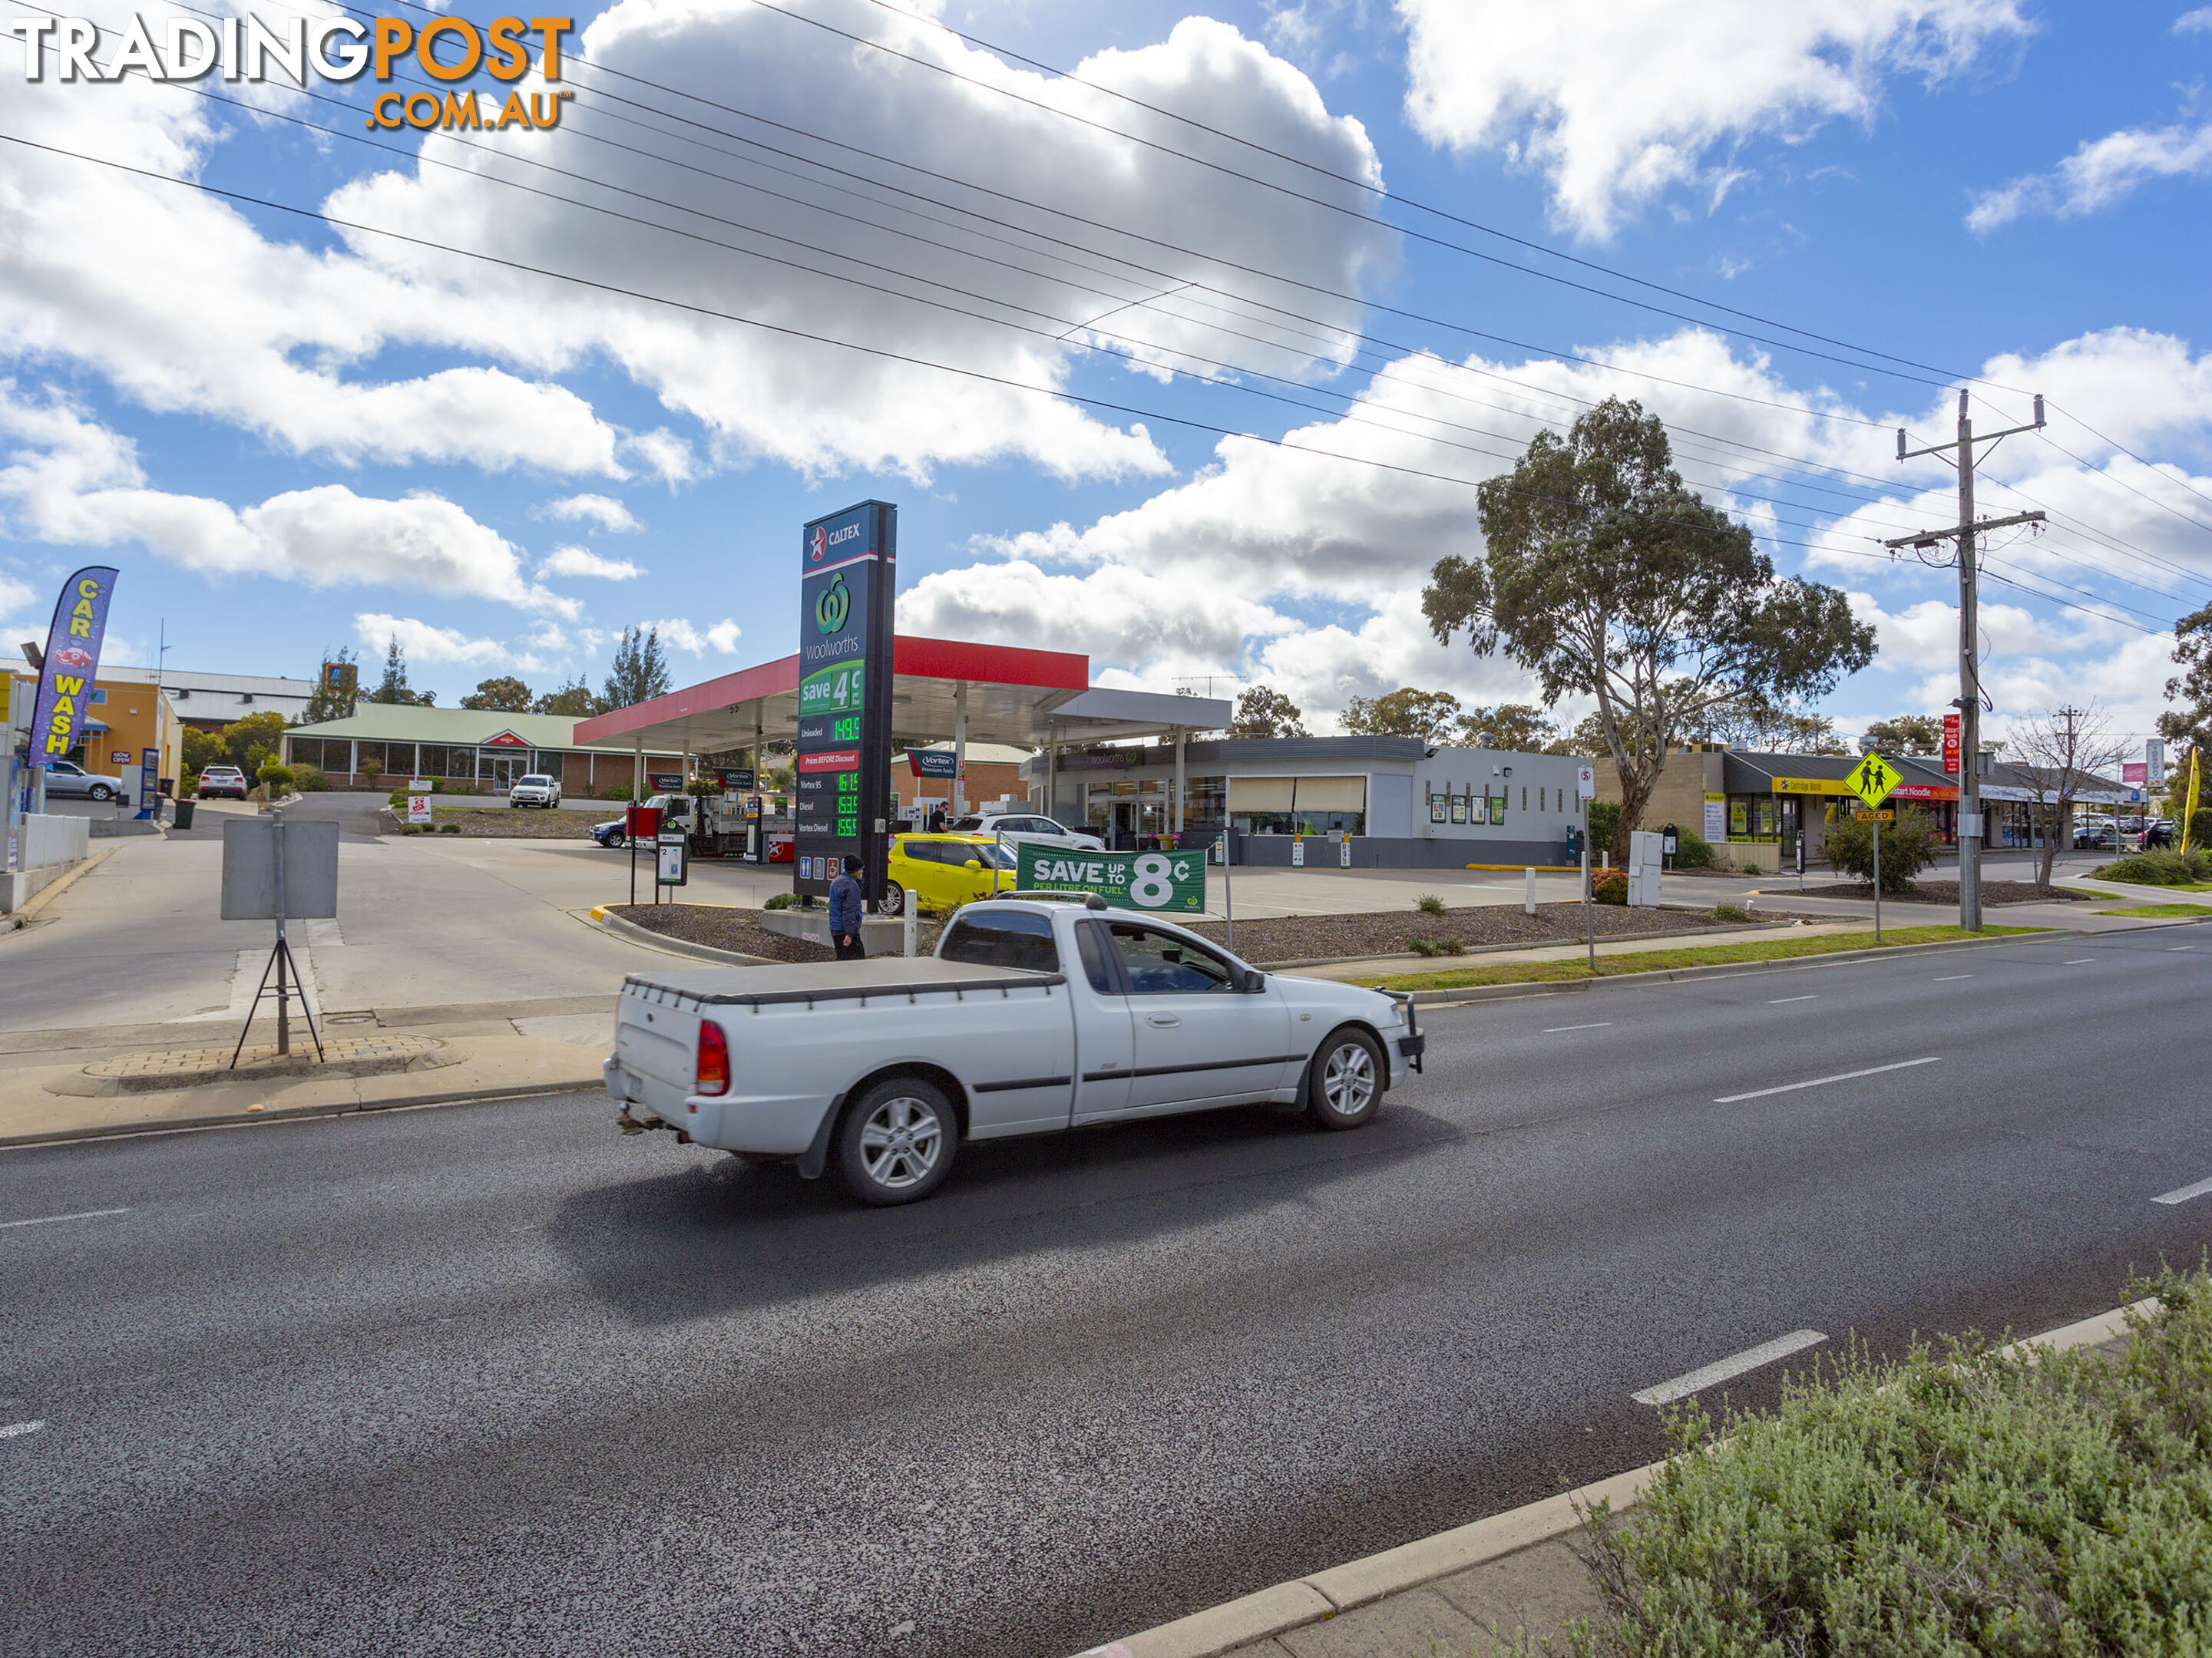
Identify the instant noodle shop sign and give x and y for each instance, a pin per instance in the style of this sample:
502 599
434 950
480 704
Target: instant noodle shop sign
72 663
1157 881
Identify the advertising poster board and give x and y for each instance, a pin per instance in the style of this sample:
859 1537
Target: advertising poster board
849 577
72 663
1162 882
1951 745
418 807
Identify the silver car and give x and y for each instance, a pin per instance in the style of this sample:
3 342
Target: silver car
1028 826
535 790
67 780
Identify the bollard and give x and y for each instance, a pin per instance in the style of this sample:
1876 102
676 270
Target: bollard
1528 893
909 924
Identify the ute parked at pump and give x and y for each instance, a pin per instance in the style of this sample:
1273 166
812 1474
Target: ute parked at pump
1036 1015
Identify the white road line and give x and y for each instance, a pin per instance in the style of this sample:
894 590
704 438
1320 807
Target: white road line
1779 1000
2170 949
2079 961
1953 978
1554 1029
1666 1393
2186 1193
1817 1082
48 1220
18 1430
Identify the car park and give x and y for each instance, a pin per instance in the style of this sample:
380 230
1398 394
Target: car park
941 872
222 783
67 780
1036 1015
537 789
2098 836
1029 826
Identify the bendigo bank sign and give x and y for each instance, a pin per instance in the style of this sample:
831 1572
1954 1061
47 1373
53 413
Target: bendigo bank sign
445 50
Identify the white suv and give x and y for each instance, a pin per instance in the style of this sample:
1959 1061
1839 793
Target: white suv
1028 826
535 790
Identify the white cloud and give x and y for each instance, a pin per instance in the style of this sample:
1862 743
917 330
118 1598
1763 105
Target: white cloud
599 511
73 482
1619 101
2101 172
683 635
426 643
582 561
2194 22
15 596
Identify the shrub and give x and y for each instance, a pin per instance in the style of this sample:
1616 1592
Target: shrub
1428 904
188 784
1604 819
1609 886
1967 1502
1436 947
2200 827
308 778
1730 913
615 791
449 828
1692 850
2159 869
276 777
1908 846
780 900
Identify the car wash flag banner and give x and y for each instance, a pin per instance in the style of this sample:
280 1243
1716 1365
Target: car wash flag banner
72 663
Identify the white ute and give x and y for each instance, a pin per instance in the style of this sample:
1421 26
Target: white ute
1035 1015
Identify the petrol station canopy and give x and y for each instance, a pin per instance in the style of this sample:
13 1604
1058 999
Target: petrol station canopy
1023 698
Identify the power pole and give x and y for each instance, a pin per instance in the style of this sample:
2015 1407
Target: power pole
1967 532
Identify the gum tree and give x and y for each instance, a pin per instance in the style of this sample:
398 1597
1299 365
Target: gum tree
1606 578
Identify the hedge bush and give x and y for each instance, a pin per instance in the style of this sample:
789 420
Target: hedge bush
1691 850
1967 1502
615 791
2160 869
1604 819
779 901
1609 886
1908 846
308 779
276 777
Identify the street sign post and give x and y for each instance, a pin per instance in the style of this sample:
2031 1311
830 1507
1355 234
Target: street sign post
1872 779
1585 787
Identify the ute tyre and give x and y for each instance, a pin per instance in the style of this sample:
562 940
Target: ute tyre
1345 1079
896 1142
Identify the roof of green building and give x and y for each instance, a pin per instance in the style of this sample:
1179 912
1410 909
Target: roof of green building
394 722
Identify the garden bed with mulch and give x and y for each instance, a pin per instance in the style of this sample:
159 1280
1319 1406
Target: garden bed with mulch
1946 892
502 822
719 927
1285 939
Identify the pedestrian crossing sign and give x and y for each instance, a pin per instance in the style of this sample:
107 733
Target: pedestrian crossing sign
1873 778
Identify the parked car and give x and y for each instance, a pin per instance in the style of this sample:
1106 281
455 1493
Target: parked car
535 790
2097 835
1030 826
942 872
677 811
67 780
1035 1016
223 782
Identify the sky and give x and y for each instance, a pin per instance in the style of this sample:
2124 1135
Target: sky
1179 339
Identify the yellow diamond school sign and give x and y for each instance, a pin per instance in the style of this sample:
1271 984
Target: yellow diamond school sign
1873 778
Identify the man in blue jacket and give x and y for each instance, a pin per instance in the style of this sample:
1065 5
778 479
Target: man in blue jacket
845 908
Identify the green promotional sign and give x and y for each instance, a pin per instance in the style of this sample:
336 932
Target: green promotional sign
1158 881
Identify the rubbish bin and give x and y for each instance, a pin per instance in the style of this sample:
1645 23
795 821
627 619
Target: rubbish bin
184 811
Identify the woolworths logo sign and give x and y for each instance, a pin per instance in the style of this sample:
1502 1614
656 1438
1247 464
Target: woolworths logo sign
833 606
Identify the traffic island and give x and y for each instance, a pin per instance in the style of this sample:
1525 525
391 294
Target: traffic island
164 1069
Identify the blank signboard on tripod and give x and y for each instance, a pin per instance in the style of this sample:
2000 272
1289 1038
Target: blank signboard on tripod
249 869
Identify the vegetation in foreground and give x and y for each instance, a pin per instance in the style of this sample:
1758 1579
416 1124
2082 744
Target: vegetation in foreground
2160 912
2157 869
1651 961
1962 1503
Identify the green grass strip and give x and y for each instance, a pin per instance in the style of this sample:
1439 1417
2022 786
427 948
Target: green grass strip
2160 912
1651 961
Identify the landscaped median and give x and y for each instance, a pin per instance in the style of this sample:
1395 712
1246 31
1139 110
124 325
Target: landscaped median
2160 912
1664 961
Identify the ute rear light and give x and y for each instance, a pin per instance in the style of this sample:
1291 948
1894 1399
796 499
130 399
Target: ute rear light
712 1074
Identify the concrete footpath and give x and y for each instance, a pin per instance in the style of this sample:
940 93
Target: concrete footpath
1523 1573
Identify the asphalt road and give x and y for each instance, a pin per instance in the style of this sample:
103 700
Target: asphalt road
491 1379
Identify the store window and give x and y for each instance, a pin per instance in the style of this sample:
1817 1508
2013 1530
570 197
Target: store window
1261 805
1331 805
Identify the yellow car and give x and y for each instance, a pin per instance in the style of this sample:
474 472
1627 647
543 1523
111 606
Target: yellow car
943 871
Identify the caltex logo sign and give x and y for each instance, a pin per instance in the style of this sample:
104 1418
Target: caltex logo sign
819 544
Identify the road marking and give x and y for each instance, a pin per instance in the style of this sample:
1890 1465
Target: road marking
1554 1029
18 1430
48 1220
1666 1393
1953 978
1779 1000
2170 949
1817 1082
2079 961
2186 1193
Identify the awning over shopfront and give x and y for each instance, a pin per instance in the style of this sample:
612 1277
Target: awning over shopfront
1023 698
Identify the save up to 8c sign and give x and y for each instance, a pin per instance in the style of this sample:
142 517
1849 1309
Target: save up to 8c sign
339 49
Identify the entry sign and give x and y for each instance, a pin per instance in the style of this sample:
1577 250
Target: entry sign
1585 781
671 861
1872 779
1173 882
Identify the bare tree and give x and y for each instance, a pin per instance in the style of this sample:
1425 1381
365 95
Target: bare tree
2056 757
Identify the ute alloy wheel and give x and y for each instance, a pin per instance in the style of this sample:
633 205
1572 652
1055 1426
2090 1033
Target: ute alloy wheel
896 1142
1345 1079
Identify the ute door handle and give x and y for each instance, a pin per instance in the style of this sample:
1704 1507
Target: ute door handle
1162 1019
